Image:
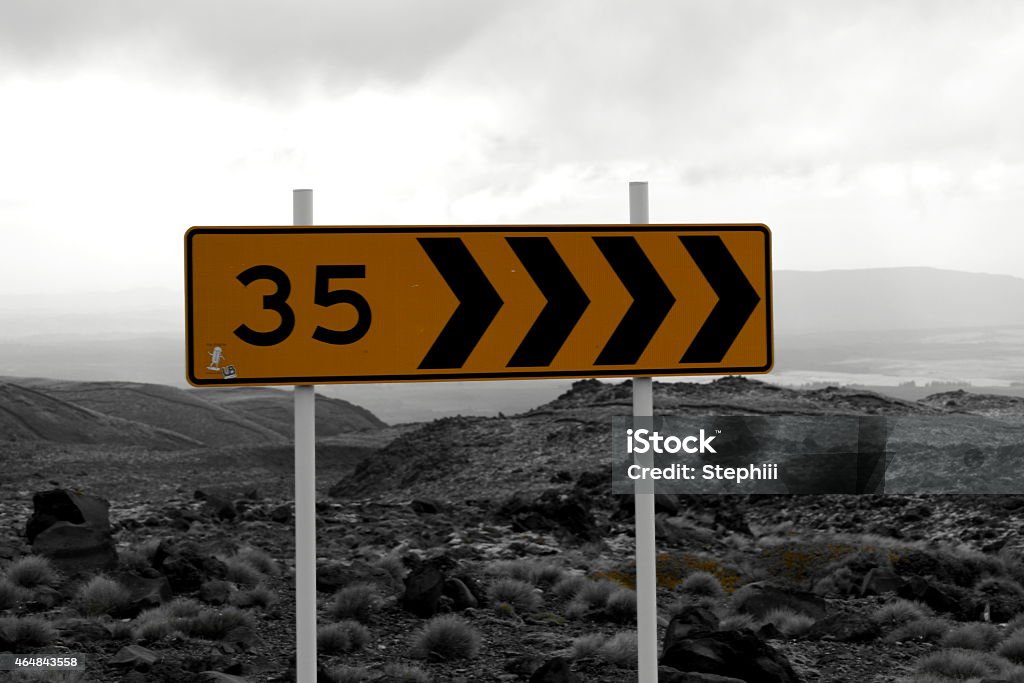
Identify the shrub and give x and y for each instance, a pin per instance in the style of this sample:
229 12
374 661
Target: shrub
446 638
27 631
10 595
621 606
790 623
242 573
404 673
899 612
957 664
1012 648
929 630
586 646
101 595
596 593
521 595
215 625
702 583
32 571
259 560
345 636
977 636
568 586
620 650
261 596
357 601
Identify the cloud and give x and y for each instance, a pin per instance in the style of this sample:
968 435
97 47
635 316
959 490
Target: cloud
266 45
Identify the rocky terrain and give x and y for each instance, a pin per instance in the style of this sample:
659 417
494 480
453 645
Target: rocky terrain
481 549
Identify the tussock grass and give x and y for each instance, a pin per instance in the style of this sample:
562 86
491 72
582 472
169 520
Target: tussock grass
522 596
1012 648
620 650
735 622
976 636
596 593
347 635
242 573
790 623
393 565
32 571
899 612
27 631
215 625
350 674
702 583
261 596
587 646
359 601
10 595
568 586
928 630
404 673
260 560
621 606
958 664
446 638
102 595
535 572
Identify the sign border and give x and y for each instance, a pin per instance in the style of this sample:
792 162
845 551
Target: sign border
456 229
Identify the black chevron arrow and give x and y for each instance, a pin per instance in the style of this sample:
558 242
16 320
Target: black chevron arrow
479 303
652 301
736 299
566 301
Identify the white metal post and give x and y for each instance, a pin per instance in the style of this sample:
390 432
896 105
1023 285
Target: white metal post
305 499
643 494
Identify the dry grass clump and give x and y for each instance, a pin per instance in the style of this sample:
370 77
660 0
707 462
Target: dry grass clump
620 650
621 606
345 636
260 560
359 601
243 573
392 563
10 595
102 595
350 674
522 596
979 636
536 572
702 583
958 664
446 638
260 596
928 630
155 624
404 673
1012 648
790 623
735 622
899 612
215 625
568 586
32 571
587 646
24 632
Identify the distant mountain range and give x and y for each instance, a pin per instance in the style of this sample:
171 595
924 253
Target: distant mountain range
921 323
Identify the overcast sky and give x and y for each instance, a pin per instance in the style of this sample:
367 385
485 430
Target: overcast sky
864 134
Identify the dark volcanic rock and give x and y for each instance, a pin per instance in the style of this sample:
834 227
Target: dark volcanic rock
760 598
76 548
846 628
942 597
551 511
555 670
424 587
426 506
736 654
460 595
880 580
690 619
146 591
73 530
186 566
669 675
134 657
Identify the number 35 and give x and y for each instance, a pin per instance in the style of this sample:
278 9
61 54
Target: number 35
323 295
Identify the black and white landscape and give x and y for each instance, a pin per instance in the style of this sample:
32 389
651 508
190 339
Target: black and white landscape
467 532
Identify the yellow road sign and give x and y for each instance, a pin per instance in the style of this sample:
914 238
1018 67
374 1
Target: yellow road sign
304 305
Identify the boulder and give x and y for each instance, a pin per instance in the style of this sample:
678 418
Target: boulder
554 670
426 506
669 675
690 619
76 548
942 597
134 657
733 654
566 514
72 530
460 595
760 598
186 566
845 628
424 587
146 591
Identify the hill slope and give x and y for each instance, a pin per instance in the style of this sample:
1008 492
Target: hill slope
273 409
